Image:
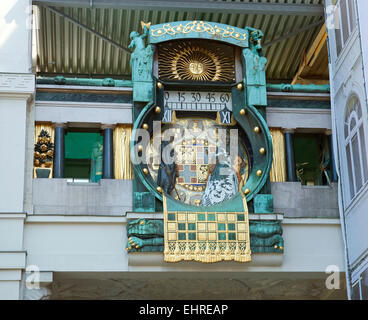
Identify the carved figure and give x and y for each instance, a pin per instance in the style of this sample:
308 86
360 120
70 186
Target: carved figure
167 173
256 36
96 162
147 234
222 183
141 58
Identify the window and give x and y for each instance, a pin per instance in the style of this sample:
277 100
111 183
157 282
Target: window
360 287
355 147
345 22
356 292
83 156
312 159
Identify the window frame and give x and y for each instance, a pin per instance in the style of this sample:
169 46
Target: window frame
351 112
339 32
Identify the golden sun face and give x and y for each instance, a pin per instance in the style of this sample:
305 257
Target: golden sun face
196 67
196 61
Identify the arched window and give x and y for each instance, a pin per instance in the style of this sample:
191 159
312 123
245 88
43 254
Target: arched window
355 146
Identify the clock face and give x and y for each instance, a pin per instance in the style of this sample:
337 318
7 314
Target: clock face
206 171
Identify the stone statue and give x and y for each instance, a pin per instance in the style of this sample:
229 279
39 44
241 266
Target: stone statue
255 66
255 36
141 62
167 173
145 235
222 184
96 162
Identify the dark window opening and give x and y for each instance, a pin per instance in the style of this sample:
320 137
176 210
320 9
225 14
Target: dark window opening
83 155
312 159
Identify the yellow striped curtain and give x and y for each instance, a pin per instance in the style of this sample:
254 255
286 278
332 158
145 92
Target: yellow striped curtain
47 126
278 170
123 168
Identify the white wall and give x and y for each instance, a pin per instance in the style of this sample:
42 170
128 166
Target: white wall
13 144
362 8
87 244
17 87
356 227
347 78
15 36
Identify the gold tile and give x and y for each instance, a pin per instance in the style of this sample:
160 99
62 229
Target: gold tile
201 226
181 216
212 236
241 227
192 217
241 236
202 236
171 226
172 236
231 217
221 217
211 226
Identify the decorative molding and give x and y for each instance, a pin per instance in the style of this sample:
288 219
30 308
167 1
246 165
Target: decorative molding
299 111
68 88
78 219
72 104
199 27
17 83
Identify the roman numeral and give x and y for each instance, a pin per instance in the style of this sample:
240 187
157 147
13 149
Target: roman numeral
225 117
167 117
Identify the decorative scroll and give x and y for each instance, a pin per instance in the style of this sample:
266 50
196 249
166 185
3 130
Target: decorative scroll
43 138
278 170
199 26
206 236
122 165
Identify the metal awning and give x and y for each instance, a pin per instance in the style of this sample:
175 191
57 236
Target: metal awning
89 37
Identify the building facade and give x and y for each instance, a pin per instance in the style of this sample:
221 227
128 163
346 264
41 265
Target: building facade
79 218
347 48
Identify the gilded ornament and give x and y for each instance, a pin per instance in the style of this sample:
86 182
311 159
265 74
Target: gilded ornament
157 109
246 191
145 126
145 170
194 61
259 173
262 151
145 24
159 85
239 86
242 112
199 26
256 129
48 164
140 148
159 189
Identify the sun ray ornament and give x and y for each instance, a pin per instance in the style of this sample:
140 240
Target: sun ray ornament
192 61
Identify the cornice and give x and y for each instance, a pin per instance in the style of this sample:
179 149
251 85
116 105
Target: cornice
13 85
